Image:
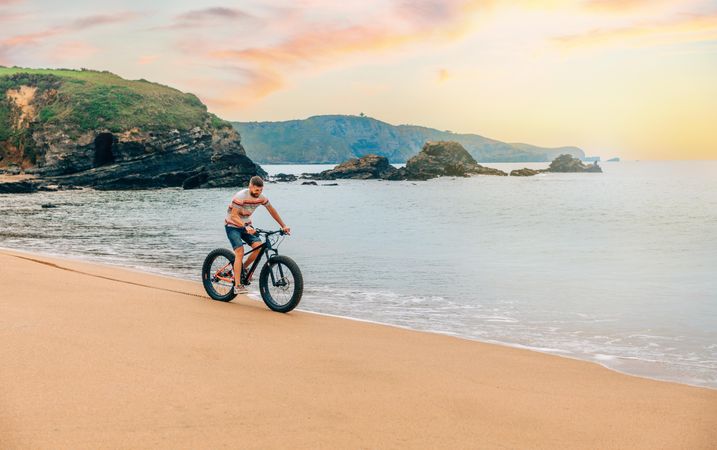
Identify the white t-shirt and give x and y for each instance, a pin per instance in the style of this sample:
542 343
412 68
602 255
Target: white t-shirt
245 204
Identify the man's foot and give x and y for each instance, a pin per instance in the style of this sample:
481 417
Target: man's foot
241 289
245 271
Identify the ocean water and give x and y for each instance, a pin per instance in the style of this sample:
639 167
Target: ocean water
619 268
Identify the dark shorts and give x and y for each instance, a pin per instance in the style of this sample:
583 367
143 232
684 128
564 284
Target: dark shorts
237 235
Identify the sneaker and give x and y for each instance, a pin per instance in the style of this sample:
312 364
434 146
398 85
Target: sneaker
241 289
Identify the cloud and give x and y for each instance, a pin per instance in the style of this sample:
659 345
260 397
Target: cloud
12 43
443 75
29 38
207 17
612 5
97 20
324 45
213 13
147 59
71 51
616 6
686 28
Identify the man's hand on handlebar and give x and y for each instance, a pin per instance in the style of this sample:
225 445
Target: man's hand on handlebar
249 229
286 230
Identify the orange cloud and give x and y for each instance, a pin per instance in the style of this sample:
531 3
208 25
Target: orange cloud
72 51
693 28
616 5
443 75
29 38
147 59
408 22
83 23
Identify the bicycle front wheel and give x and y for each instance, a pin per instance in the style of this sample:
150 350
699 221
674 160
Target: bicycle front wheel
281 284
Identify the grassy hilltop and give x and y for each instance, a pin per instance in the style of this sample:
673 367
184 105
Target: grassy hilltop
78 102
83 100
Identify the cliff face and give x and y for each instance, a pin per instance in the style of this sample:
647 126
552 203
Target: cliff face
335 138
95 129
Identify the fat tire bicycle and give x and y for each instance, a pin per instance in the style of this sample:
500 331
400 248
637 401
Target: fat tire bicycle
280 281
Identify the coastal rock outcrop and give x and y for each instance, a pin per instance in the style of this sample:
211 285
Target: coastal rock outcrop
284 178
436 159
567 163
445 158
524 172
19 187
364 168
200 157
94 129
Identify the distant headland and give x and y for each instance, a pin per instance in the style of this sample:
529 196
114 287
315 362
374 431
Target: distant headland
335 138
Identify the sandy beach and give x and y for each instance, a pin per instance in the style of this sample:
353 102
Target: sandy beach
100 357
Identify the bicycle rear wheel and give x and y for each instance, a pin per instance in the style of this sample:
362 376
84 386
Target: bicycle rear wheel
281 284
218 274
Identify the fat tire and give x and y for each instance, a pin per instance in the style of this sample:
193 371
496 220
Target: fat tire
264 280
206 275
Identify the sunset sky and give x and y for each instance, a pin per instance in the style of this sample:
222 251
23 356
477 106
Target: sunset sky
629 78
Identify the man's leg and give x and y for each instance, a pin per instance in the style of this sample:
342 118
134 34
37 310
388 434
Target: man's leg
252 256
238 256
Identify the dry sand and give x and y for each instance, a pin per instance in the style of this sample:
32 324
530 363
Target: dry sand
99 357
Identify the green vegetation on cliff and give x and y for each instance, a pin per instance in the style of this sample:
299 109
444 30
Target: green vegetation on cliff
87 100
78 101
336 138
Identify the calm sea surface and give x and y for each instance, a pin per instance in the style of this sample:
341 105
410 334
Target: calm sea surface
618 268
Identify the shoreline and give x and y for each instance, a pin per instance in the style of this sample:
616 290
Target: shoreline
553 351
98 356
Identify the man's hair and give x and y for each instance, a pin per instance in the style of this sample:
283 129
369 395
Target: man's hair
256 181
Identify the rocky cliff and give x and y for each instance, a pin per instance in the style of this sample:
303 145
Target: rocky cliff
87 128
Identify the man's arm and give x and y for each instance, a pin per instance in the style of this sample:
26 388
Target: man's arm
276 217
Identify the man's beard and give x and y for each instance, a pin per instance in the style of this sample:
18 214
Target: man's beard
254 195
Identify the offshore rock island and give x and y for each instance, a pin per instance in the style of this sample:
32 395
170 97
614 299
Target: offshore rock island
436 159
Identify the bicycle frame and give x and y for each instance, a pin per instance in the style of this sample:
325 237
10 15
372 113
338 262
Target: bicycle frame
263 249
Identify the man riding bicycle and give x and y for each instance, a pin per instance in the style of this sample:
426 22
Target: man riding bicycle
239 228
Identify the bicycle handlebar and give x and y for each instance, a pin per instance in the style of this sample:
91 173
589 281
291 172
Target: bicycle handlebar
269 233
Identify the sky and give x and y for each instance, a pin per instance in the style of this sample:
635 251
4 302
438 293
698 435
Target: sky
630 78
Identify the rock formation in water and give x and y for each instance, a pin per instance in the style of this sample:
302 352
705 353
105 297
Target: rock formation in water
524 172
561 164
445 158
567 163
436 159
364 168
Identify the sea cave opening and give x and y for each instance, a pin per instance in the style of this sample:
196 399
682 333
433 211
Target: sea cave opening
103 149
